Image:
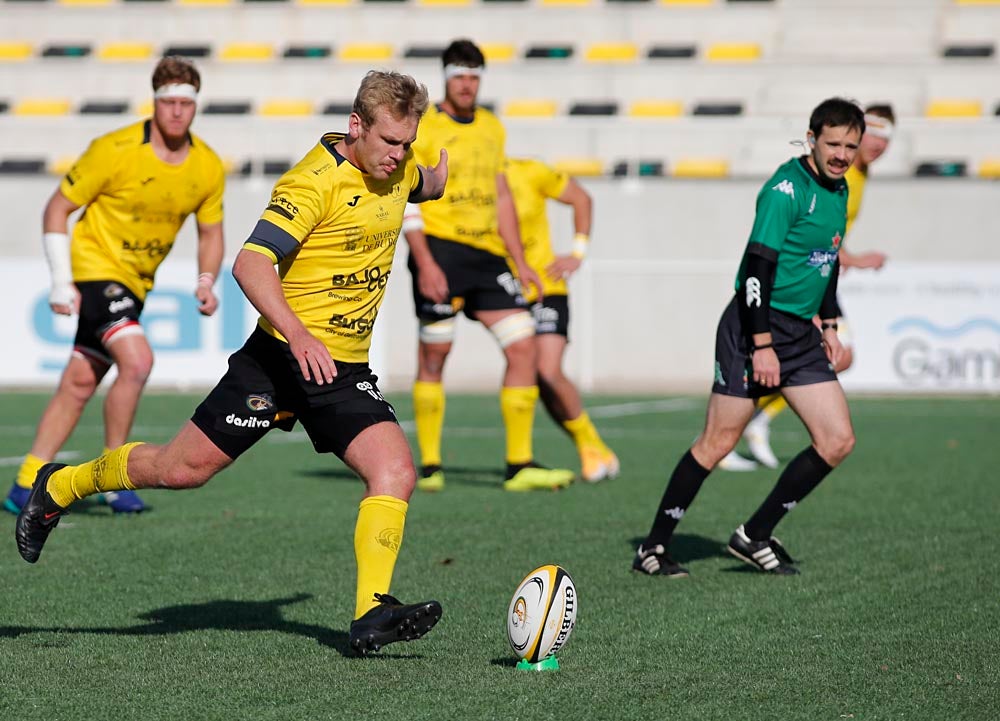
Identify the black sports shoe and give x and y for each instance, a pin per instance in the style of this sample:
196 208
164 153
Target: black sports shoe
768 556
655 562
391 621
39 515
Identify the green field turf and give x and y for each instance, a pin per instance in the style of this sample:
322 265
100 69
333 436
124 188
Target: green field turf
234 601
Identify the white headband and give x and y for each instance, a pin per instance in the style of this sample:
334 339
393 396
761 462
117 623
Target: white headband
451 71
878 126
176 90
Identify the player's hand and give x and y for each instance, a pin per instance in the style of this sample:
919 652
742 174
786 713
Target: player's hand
207 302
766 368
64 299
833 347
314 358
873 260
432 282
438 177
563 267
527 277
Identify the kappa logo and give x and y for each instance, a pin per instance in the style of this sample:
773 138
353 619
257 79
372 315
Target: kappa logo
259 402
677 513
786 187
719 378
790 505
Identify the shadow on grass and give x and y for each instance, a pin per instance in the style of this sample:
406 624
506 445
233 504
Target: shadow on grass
506 661
239 616
457 475
686 547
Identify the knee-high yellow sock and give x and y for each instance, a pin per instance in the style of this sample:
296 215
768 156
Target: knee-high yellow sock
428 414
517 405
377 537
582 430
28 471
107 473
773 405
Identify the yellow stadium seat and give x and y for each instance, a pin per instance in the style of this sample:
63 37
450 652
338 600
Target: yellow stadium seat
580 166
530 109
41 106
656 109
946 108
246 52
977 2
61 166
125 51
701 168
285 107
497 52
365 52
612 53
733 52
15 51
990 168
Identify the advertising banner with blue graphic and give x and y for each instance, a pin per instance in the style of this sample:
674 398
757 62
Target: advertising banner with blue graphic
191 351
925 328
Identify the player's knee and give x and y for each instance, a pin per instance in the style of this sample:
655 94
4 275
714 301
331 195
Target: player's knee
713 447
395 477
136 370
431 358
78 386
549 373
837 446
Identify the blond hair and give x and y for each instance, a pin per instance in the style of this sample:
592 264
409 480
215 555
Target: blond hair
400 94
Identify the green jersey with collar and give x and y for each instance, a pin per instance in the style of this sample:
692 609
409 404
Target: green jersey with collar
802 218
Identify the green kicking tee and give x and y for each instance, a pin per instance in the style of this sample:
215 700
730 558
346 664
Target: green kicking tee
802 218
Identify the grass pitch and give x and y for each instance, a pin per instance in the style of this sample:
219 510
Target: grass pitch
234 601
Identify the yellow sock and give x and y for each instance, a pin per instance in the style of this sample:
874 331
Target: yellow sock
377 537
517 405
773 405
428 413
29 469
583 432
107 473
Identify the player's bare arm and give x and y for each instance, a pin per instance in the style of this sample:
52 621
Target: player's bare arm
435 177
565 265
210 252
257 278
511 235
431 280
64 298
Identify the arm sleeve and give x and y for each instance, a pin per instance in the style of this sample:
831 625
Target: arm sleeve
759 265
829 307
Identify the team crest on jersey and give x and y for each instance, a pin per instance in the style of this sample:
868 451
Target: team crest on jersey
259 402
113 290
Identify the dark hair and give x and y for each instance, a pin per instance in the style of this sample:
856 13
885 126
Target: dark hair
882 110
175 69
835 113
400 94
465 53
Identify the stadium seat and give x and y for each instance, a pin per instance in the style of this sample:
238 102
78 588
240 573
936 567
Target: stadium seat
990 168
498 52
580 167
125 51
286 108
733 52
656 109
66 51
530 109
611 53
246 52
365 52
42 106
14 51
954 109
701 168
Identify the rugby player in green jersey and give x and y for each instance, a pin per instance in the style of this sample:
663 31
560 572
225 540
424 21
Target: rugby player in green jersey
766 340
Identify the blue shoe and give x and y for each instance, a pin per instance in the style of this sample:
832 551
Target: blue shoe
16 498
122 501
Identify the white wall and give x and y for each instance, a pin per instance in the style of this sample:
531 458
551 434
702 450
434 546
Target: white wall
644 306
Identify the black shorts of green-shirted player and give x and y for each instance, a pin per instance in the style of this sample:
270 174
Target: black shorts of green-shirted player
767 340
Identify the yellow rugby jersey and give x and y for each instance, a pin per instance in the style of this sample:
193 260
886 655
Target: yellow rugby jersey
532 183
467 213
332 230
136 204
856 180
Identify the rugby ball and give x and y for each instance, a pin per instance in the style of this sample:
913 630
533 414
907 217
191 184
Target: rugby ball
542 613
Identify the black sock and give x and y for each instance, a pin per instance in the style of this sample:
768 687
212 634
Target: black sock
803 474
681 490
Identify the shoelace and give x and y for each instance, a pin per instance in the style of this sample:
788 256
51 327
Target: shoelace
386 598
